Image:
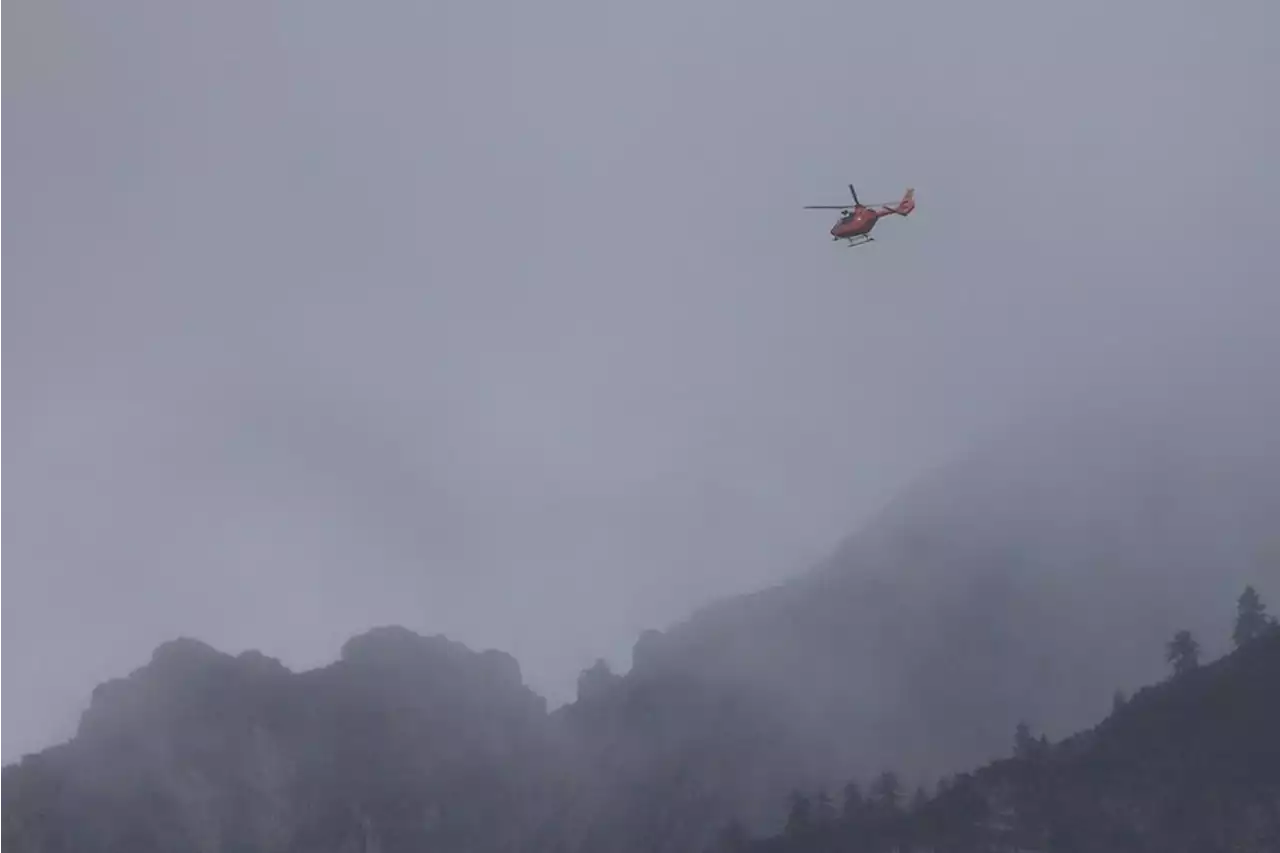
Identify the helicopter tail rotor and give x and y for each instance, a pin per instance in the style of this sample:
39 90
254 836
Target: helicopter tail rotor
907 204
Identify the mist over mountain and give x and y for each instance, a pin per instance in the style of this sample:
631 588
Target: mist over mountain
1025 583
1028 581
404 740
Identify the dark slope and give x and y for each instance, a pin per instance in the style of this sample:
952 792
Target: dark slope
1189 765
1029 581
405 743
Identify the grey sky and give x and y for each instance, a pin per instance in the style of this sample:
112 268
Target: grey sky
503 320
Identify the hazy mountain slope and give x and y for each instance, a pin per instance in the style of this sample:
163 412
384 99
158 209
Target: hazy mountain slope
1189 765
1029 581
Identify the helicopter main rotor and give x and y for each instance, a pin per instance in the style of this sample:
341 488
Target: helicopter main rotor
856 203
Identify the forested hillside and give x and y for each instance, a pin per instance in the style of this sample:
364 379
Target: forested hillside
1027 582
1188 765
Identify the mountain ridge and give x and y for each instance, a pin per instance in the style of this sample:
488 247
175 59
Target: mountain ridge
1025 582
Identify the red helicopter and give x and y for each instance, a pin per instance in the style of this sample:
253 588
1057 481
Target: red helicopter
855 224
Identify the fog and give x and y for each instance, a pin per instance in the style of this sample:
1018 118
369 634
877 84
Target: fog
505 321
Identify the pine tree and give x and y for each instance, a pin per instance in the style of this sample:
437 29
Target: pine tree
886 793
800 818
824 808
853 805
1024 746
1183 652
1251 617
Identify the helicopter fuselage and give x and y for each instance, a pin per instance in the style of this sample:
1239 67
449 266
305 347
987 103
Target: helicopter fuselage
857 223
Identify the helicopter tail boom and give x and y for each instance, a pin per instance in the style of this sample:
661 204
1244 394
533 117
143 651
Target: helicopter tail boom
907 204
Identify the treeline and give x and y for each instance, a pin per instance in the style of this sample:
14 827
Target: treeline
1048 796
1252 621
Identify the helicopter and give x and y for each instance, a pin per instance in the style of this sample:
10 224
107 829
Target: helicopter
855 223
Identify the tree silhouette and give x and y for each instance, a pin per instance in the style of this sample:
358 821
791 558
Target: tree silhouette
1024 745
824 809
853 805
1183 652
800 818
886 792
1251 617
